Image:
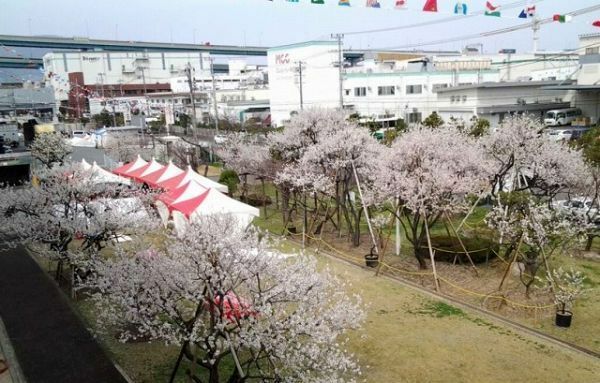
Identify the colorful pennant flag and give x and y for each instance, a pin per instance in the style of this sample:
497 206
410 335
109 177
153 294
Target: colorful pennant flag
373 4
430 6
400 4
317 1
527 12
344 3
292 1
562 18
460 8
492 10
596 23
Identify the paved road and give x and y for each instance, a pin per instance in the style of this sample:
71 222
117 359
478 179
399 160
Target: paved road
51 343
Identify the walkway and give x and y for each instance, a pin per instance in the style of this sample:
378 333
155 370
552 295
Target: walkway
51 343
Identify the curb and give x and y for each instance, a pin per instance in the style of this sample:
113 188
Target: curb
14 369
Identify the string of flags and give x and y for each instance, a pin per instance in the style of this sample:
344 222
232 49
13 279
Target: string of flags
460 7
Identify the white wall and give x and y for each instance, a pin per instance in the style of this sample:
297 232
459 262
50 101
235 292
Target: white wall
319 78
120 67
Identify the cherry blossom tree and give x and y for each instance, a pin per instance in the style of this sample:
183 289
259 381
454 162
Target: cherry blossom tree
70 204
429 173
328 152
50 149
523 159
520 219
231 298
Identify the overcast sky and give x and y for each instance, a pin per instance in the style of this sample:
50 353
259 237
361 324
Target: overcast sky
266 23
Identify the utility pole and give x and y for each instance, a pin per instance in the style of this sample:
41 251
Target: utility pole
214 95
339 37
300 63
535 26
190 79
140 67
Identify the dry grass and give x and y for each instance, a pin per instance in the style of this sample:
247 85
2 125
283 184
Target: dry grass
408 337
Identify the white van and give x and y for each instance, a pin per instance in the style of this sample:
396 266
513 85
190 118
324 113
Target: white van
558 117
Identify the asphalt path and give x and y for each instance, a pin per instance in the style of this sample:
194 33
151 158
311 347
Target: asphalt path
51 343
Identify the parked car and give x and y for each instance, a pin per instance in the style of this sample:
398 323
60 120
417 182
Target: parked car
580 207
80 134
559 134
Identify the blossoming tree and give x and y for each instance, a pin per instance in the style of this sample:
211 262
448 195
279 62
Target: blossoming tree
429 173
230 298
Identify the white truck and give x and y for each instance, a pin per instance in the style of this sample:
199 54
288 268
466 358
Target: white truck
11 134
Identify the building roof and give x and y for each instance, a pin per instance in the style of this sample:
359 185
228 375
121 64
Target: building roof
508 84
303 44
572 87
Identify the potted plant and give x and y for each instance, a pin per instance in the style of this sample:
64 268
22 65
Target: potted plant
568 286
372 259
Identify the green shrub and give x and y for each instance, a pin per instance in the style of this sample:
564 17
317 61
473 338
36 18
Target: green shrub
449 248
230 178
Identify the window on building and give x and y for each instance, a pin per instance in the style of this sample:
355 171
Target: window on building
360 91
386 90
414 117
347 92
464 98
592 51
414 89
439 86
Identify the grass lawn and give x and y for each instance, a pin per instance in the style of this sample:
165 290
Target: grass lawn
407 337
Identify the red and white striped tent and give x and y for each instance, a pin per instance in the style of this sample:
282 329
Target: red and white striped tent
130 166
165 200
139 174
209 203
166 172
189 175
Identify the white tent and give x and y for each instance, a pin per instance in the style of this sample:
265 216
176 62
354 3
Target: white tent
87 141
209 203
164 201
140 173
100 175
84 165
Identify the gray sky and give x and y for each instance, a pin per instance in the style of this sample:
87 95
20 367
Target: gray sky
262 22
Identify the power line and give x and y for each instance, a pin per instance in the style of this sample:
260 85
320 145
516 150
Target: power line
438 21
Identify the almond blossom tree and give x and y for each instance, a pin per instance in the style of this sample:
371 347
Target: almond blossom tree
522 158
69 204
50 149
327 165
521 220
230 299
429 173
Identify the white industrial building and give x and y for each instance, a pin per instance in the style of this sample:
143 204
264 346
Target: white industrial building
386 86
120 69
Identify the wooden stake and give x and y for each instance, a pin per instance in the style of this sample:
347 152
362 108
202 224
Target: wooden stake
468 214
431 255
462 244
384 247
513 259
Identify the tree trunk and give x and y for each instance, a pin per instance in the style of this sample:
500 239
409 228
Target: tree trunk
589 241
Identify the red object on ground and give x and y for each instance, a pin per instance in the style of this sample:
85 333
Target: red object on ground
233 307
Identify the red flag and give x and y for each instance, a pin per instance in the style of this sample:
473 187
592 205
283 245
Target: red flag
430 6
596 23
490 7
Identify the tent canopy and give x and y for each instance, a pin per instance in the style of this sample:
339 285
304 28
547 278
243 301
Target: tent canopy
188 175
188 191
130 166
155 178
214 202
140 173
100 175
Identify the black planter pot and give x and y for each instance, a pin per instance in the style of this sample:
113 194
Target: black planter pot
372 260
563 318
292 229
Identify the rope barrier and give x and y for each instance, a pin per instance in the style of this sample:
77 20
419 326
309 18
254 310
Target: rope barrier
354 259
